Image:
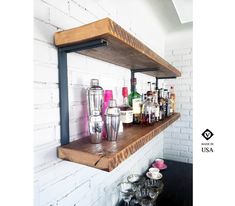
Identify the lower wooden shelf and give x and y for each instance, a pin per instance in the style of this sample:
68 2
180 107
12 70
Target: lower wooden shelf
108 155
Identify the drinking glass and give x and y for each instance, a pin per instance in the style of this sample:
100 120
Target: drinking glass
127 191
146 202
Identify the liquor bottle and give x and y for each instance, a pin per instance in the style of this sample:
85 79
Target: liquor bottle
149 92
157 106
126 114
168 103
148 111
162 104
134 99
172 100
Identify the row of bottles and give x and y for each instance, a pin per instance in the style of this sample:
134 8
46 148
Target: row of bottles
155 105
106 118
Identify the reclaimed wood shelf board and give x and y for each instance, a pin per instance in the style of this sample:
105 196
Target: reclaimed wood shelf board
123 49
108 155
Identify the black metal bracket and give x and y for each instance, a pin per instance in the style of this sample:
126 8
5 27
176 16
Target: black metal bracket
133 71
63 82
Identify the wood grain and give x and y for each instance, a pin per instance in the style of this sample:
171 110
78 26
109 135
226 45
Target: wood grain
123 49
108 155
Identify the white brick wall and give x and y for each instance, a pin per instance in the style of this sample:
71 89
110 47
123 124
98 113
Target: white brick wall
178 137
62 183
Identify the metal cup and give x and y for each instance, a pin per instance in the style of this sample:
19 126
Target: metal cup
95 128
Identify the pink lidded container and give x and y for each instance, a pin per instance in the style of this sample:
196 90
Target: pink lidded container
108 95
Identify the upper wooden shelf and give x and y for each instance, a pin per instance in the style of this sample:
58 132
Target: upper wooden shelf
123 49
108 155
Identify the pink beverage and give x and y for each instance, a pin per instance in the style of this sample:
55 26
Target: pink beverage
108 95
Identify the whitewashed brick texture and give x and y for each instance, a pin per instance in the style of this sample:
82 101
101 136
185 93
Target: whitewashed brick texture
62 183
178 137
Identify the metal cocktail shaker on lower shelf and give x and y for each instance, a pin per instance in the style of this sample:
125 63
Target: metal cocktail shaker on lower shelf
95 102
95 128
112 120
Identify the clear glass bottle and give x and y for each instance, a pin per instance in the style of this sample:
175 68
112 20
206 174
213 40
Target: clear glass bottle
157 106
134 99
168 103
126 113
148 114
149 92
172 100
162 104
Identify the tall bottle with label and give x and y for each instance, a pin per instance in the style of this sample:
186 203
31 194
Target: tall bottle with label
172 100
126 113
135 102
157 106
162 104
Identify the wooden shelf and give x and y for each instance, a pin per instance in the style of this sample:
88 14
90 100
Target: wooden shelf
123 49
108 155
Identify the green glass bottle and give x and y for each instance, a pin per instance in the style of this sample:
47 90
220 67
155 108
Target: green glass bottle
135 102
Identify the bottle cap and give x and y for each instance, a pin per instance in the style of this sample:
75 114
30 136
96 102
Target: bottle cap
94 82
108 94
133 80
124 91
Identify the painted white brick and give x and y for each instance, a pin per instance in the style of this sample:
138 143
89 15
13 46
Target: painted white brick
77 61
44 31
45 155
186 142
45 53
44 136
76 195
77 94
45 116
181 136
186 154
171 152
182 51
176 158
186 130
80 13
46 73
57 190
62 5
41 11
42 96
187 57
78 127
62 21
180 147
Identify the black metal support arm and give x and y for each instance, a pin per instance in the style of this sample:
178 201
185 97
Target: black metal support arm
63 82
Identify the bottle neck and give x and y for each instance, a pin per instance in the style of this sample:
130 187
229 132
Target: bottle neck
134 87
125 100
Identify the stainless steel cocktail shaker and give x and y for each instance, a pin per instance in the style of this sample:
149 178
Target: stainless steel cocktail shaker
112 120
95 128
95 102
95 98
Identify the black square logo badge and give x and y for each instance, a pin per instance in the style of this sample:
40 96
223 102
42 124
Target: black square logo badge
207 134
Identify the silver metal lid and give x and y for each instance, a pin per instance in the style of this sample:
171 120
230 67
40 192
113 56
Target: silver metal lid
94 82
